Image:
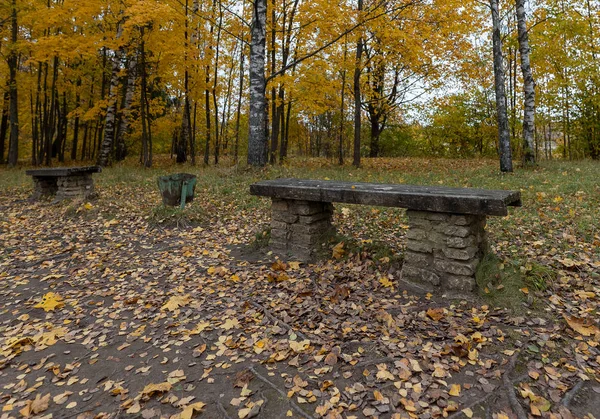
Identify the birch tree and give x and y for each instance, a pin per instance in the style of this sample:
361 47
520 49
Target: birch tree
501 114
528 85
257 140
111 111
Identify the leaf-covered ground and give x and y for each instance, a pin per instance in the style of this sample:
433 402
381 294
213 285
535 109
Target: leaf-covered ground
122 308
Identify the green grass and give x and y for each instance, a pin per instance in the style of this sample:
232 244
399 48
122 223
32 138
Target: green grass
558 219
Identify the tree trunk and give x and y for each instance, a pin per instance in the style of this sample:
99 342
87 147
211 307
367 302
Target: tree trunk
528 85
239 105
4 121
181 146
111 111
215 80
50 127
375 133
357 99
274 118
342 103
503 131
146 158
257 140
121 147
76 123
207 114
13 143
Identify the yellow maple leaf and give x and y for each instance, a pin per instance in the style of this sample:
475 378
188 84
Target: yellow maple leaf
386 282
175 302
50 302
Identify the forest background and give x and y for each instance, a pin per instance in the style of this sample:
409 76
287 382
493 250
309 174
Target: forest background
101 80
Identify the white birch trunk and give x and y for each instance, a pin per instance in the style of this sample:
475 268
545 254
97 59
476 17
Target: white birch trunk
257 140
111 110
502 117
528 85
121 150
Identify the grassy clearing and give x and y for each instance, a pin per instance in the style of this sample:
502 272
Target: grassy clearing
558 220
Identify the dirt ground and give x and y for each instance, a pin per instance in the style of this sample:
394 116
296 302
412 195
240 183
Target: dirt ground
104 314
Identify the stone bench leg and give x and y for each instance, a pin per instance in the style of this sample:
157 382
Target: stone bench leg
444 249
44 186
75 186
298 226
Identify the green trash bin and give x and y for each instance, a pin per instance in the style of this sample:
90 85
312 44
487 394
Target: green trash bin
177 189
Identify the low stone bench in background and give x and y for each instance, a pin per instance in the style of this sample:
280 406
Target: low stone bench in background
63 182
446 238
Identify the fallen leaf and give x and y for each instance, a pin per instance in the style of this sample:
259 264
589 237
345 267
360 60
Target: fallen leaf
338 251
585 327
50 301
175 302
454 390
189 410
435 313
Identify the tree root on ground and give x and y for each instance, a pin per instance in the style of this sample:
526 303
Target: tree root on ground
294 406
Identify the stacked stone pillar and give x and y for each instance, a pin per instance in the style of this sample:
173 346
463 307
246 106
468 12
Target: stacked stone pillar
444 249
44 186
297 227
74 186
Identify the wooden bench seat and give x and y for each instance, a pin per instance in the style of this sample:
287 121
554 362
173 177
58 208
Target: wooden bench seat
63 182
446 238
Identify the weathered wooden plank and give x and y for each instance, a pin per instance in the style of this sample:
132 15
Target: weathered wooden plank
419 198
63 171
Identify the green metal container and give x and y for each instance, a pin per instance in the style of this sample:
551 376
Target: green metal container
177 189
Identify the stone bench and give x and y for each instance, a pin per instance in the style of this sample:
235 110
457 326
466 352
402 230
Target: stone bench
446 238
63 182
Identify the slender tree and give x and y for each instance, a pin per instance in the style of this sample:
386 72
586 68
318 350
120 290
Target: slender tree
501 114
257 140
4 121
13 144
110 125
528 85
357 94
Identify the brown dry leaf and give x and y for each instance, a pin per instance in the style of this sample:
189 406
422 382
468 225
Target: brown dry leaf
435 313
331 359
35 406
198 351
279 266
585 327
243 378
